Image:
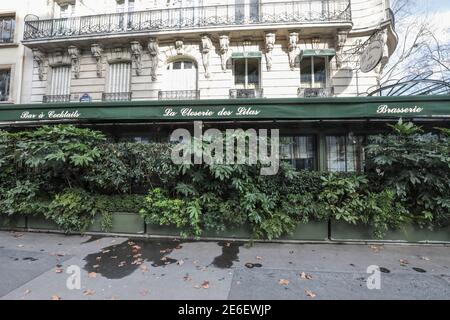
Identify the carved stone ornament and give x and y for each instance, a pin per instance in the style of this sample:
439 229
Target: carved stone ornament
341 39
224 42
153 49
207 46
270 44
97 53
292 48
179 47
119 54
74 54
136 56
39 58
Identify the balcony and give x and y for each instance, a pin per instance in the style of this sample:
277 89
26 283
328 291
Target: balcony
179 95
56 98
116 96
246 93
173 19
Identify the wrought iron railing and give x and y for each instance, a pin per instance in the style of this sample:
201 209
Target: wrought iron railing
391 16
298 11
315 92
116 96
246 93
179 95
56 98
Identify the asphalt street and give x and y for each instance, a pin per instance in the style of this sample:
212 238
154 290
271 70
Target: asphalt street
54 266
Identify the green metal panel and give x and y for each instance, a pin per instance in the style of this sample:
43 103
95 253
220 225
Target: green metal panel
122 222
345 232
12 222
233 109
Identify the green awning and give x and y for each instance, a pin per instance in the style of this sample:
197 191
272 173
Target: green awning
424 107
319 52
243 55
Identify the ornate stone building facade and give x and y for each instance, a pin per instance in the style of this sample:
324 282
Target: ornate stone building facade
204 49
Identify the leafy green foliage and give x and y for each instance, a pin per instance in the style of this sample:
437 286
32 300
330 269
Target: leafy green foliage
417 167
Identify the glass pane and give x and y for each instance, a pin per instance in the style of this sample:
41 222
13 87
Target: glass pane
177 65
320 75
239 71
239 10
336 153
188 65
287 147
254 10
4 84
253 72
305 72
355 154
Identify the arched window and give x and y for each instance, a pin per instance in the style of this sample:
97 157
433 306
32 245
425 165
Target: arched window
180 81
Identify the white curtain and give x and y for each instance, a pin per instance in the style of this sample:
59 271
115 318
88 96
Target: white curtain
60 81
119 77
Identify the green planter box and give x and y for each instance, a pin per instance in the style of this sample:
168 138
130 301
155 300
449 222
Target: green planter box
8 222
41 223
410 233
314 231
122 222
311 231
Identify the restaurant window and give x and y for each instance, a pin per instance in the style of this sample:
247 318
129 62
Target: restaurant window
313 72
7 27
5 83
60 81
300 151
345 153
247 73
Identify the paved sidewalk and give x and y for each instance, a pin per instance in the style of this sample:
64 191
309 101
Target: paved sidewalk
34 266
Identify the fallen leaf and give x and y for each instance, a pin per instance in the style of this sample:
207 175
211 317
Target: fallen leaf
205 285
131 243
376 248
96 266
258 258
56 297
92 274
28 291
89 292
179 247
20 246
143 268
180 262
18 235
137 255
197 286
306 276
113 257
144 292
136 247
283 282
59 270
98 258
187 277
310 293
122 263
425 258
106 251
403 262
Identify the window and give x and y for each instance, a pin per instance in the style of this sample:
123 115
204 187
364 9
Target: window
345 153
181 75
60 83
118 82
122 4
67 10
300 151
246 11
246 73
7 26
5 79
313 72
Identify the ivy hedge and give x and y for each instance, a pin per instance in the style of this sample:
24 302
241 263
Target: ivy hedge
70 175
